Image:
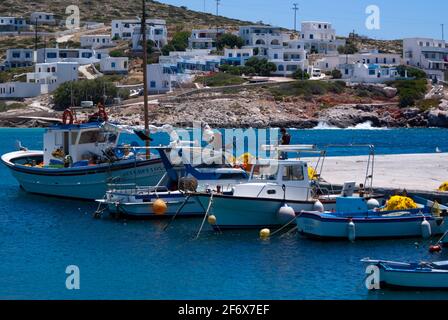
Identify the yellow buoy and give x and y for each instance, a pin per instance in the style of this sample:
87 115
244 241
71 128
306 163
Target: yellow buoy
159 207
265 233
211 219
312 173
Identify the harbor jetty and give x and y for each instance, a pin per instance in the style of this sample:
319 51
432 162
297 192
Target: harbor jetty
417 173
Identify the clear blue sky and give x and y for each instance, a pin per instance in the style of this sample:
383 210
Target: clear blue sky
399 18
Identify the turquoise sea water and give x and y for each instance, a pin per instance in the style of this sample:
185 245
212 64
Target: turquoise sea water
40 237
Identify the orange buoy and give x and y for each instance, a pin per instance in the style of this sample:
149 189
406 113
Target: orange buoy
159 207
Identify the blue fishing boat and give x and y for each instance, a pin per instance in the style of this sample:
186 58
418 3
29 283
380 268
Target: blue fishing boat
422 275
79 159
352 219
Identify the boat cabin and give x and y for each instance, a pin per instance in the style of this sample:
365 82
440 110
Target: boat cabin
277 179
84 143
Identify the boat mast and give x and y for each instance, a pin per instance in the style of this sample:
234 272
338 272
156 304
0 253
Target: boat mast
145 77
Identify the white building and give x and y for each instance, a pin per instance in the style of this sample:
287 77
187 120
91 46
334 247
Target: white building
428 54
42 18
81 56
331 62
204 38
13 24
114 65
262 36
192 61
130 29
16 90
95 41
320 37
237 57
163 78
368 73
16 58
51 75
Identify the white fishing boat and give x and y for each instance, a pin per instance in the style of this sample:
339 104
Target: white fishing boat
79 159
423 275
143 202
357 218
276 191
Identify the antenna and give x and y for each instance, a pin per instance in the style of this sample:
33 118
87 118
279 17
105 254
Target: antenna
218 3
145 76
295 8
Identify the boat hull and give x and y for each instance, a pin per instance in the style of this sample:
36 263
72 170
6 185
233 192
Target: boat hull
315 225
248 213
144 209
414 279
87 183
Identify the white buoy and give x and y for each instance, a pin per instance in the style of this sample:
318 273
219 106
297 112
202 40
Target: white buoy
286 214
318 206
426 229
351 230
373 204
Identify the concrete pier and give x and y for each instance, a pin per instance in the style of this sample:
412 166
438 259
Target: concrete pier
416 172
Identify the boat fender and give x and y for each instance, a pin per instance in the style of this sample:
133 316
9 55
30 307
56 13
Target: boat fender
286 214
372 204
351 230
318 206
265 234
211 219
426 229
159 207
435 249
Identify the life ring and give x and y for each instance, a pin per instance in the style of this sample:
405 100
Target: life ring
102 112
67 117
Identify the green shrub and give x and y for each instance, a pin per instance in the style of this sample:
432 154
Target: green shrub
336 74
299 74
15 105
307 88
229 40
410 91
221 79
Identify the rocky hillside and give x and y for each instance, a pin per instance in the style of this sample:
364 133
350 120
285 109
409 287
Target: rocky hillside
105 11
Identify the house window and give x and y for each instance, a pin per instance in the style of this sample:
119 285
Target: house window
113 65
276 56
346 71
394 60
280 68
372 72
153 84
311 36
385 60
27 55
16 54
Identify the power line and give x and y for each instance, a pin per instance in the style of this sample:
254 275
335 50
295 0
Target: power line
295 8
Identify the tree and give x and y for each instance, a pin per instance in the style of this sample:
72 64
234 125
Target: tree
117 53
229 40
261 67
411 72
336 74
300 75
166 49
180 40
85 89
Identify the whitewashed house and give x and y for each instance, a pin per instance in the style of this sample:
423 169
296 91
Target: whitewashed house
163 78
237 57
81 56
320 37
368 73
51 75
115 65
17 90
13 24
204 38
262 36
192 61
96 41
429 55
130 29
43 18
17 58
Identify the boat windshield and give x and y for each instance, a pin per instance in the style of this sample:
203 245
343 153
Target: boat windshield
97 136
265 172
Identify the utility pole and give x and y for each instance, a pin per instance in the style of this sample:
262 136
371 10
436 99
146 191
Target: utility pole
218 2
145 77
204 6
443 32
35 35
295 8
